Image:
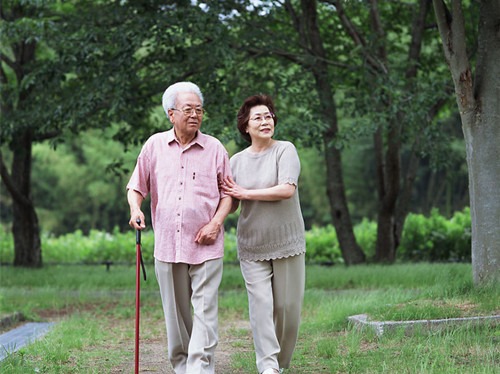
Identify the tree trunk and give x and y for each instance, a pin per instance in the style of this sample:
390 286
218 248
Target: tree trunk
405 197
477 101
351 251
388 187
25 228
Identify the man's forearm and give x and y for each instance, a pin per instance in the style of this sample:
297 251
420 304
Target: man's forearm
134 200
223 210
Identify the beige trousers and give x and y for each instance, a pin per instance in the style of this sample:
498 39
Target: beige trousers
275 292
191 337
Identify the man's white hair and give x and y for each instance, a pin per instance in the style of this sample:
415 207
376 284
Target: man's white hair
170 94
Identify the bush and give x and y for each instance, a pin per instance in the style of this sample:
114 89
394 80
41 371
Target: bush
433 238
436 238
366 236
230 247
322 246
6 246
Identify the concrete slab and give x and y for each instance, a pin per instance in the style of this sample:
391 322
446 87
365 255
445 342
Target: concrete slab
15 339
382 327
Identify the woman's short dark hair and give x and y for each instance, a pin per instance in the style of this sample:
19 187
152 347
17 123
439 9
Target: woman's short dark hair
244 112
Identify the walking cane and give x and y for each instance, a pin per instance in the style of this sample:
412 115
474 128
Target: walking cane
139 263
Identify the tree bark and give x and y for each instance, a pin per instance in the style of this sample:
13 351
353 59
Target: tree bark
389 187
351 251
25 228
477 100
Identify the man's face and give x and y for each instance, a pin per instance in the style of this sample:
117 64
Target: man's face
186 124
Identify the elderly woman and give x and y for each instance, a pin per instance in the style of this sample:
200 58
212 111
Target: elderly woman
271 238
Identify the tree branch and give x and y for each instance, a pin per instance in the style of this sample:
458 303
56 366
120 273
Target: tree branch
417 32
296 23
379 30
356 36
8 61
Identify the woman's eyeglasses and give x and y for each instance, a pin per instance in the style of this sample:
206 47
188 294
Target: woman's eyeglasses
266 117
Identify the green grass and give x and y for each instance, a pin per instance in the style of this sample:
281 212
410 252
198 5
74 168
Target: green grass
96 310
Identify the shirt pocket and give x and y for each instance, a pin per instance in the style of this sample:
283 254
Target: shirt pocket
204 185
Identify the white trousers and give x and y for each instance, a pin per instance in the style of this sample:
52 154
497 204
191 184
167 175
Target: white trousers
191 337
275 293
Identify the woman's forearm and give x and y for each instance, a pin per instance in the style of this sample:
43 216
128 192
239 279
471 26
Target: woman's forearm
279 192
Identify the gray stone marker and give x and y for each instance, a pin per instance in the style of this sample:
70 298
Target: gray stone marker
382 327
17 338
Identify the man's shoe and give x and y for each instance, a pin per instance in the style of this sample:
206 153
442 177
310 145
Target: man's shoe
271 371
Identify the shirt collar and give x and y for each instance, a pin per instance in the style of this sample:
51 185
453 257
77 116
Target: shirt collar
199 139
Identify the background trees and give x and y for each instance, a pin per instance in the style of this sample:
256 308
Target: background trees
360 84
372 62
71 66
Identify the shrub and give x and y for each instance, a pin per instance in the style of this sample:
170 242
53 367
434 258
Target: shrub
230 247
322 246
436 238
433 238
6 246
366 236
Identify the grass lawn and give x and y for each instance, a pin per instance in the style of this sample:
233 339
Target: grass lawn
95 314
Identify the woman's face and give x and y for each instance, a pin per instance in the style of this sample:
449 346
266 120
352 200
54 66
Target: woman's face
260 123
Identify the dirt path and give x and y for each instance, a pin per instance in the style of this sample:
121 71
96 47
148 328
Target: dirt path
234 337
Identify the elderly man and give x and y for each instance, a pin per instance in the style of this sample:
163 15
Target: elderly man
181 169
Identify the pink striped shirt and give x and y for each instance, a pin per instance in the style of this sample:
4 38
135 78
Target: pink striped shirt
184 193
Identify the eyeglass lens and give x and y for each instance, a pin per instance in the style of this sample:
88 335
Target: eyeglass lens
266 117
187 111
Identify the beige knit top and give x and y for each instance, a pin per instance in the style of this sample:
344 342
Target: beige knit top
269 229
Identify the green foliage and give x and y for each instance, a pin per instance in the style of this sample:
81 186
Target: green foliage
312 188
366 236
436 238
431 238
230 246
322 246
75 186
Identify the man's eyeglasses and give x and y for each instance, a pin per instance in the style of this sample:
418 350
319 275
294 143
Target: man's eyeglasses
266 117
187 111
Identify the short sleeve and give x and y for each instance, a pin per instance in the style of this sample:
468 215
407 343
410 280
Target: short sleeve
140 179
223 171
288 165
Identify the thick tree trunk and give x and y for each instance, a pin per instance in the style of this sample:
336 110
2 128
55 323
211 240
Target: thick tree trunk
482 137
477 101
25 228
483 155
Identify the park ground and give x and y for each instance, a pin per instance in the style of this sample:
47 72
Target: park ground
94 311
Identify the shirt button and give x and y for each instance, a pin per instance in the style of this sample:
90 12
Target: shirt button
179 198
